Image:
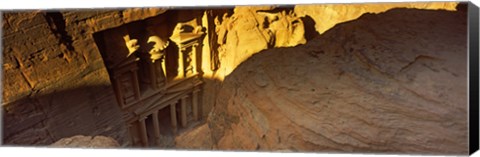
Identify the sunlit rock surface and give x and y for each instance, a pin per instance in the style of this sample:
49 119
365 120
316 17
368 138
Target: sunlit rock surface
244 31
250 29
391 82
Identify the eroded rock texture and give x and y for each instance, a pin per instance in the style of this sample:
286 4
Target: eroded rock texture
392 82
198 138
238 33
241 32
248 30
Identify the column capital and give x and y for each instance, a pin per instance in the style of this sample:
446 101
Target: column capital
196 89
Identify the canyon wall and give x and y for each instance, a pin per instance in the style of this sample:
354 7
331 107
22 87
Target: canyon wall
235 34
391 82
250 29
55 84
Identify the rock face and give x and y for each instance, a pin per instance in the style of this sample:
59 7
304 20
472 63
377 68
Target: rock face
249 30
55 83
198 138
241 32
87 142
392 82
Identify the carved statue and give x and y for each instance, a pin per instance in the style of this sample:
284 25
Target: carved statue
286 28
157 51
221 28
131 44
157 68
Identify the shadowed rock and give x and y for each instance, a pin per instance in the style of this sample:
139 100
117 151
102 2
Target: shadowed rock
391 82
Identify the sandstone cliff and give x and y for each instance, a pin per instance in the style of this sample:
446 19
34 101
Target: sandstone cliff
250 29
55 84
240 32
391 82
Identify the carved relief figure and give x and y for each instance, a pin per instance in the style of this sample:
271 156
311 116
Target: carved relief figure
158 68
132 44
156 65
157 52
286 28
222 29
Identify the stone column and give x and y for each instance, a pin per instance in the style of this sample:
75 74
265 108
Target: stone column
164 68
135 85
118 92
183 110
156 127
195 101
194 58
181 63
153 79
143 131
173 117
132 131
